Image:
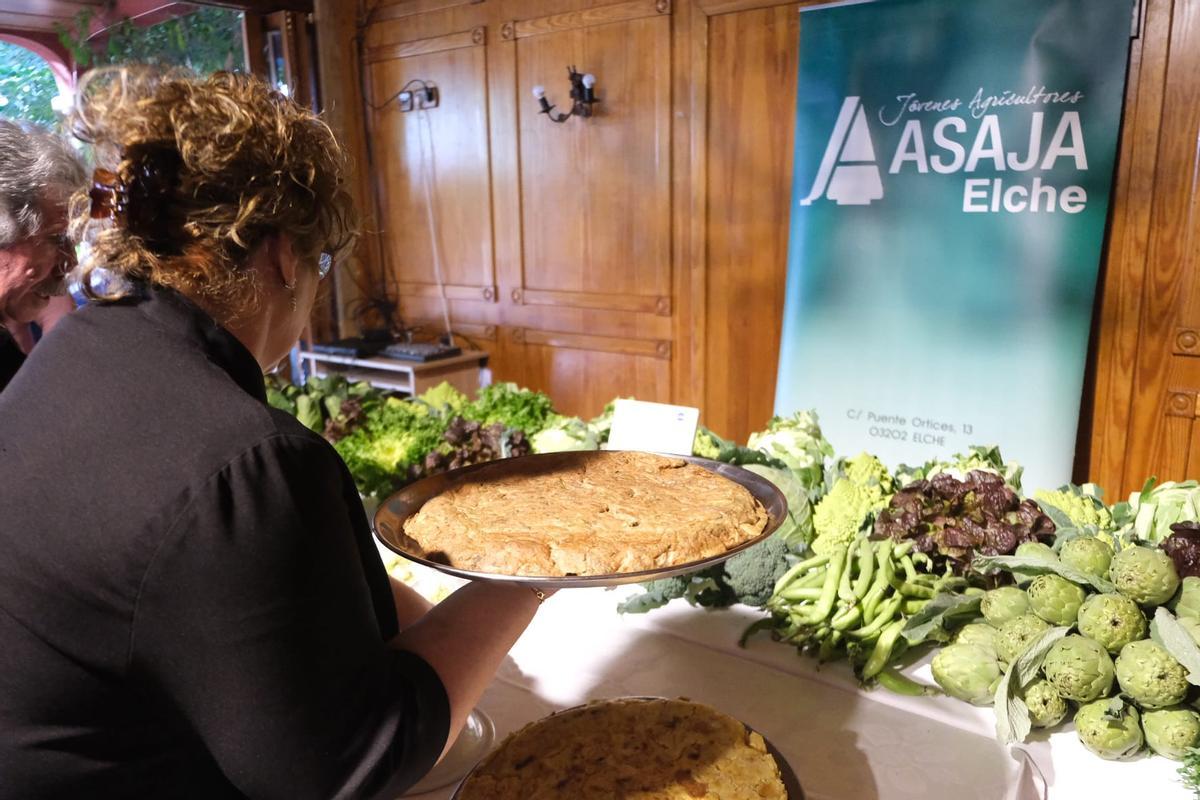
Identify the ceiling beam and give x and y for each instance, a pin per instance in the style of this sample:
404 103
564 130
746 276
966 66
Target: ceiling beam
261 6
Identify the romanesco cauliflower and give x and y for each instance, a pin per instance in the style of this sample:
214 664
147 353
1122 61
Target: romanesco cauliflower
841 514
1080 506
705 444
865 469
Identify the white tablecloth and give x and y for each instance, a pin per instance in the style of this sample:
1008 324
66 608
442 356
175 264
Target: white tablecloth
842 742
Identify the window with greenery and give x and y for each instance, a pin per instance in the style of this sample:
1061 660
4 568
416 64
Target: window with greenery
205 41
26 85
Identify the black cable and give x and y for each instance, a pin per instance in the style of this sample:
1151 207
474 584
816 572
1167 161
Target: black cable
425 87
381 302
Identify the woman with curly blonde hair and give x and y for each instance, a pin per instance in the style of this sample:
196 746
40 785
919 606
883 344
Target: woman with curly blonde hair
191 603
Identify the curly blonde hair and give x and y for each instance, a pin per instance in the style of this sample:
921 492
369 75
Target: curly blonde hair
250 163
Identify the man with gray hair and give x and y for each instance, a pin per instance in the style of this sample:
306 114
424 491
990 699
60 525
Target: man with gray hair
38 173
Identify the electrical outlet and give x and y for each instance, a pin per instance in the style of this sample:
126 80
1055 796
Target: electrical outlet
418 99
427 98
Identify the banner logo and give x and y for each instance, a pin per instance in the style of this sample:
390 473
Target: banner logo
848 174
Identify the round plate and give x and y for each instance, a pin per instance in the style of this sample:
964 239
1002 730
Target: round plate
790 782
392 513
475 742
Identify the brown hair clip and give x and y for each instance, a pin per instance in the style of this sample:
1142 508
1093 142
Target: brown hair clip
108 195
137 196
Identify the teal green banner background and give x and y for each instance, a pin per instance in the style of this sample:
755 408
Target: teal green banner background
954 160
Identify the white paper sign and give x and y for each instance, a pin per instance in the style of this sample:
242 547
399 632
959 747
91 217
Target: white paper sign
653 427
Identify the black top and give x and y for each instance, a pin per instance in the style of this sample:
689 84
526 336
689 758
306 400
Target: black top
191 604
11 358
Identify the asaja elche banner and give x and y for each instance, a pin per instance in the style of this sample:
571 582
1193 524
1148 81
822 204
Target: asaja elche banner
953 165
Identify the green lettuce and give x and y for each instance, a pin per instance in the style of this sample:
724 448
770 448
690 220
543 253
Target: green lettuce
511 405
395 435
562 434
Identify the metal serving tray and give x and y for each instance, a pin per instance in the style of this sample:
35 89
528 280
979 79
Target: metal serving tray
392 513
787 775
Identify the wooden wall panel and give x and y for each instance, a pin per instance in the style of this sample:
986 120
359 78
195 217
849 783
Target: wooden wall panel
451 141
753 59
595 201
582 381
1150 289
574 219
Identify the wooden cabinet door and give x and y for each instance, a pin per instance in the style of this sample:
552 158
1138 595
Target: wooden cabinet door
432 170
588 284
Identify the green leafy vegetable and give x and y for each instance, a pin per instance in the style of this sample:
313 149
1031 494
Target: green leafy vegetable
308 411
518 408
1174 638
797 530
1149 514
977 457
1012 715
444 399
1189 771
395 435
1038 565
796 441
563 434
954 519
934 621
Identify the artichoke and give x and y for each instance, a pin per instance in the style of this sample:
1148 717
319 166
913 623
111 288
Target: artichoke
1113 620
1079 669
1055 599
1046 706
1188 602
1087 554
1017 634
1171 732
1033 549
1149 675
1036 550
1001 605
1145 575
1108 734
967 671
980 634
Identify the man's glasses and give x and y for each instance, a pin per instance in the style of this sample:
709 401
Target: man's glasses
65 254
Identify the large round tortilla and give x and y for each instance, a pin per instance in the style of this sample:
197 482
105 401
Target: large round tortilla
634 749
607 514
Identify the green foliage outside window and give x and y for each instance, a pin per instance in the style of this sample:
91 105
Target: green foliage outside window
26 86
205 41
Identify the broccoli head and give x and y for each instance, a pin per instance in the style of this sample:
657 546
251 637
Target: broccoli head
752 573
841 514
658 593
